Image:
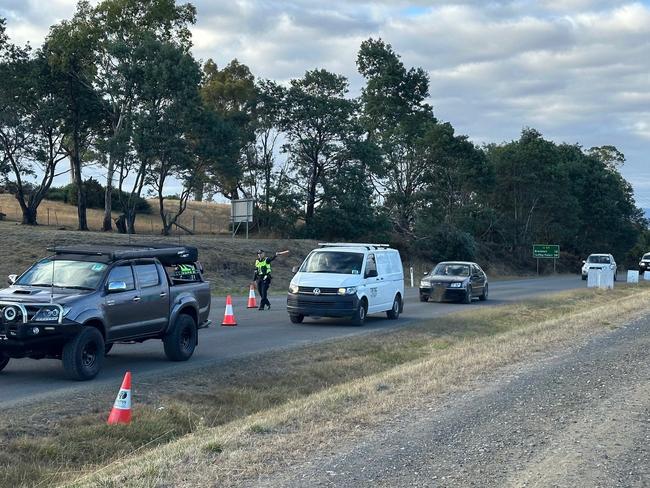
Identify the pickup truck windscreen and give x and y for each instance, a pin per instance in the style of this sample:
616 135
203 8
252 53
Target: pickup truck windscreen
83 275
333 262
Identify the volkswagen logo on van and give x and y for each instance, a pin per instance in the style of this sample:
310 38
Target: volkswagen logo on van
316 291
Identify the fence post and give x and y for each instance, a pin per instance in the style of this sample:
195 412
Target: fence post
412 282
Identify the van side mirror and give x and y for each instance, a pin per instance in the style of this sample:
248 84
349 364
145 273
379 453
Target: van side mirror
584 262
425 273
372 273
116 286
11 279
294 269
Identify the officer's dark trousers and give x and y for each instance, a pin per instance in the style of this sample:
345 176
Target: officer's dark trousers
263 288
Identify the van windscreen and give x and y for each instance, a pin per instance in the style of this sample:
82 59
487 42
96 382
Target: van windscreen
333 262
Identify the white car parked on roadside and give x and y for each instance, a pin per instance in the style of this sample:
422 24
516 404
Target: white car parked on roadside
347 281
598 261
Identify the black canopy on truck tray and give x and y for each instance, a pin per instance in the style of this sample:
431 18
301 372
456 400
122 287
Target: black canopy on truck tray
168 256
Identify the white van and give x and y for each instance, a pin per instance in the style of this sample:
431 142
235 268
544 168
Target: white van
347 280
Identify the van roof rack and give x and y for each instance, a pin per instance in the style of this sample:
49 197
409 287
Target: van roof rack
354 244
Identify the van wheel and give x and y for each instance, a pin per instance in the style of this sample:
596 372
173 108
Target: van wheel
296 318
4 360
83 356
359 317
393 313
181 340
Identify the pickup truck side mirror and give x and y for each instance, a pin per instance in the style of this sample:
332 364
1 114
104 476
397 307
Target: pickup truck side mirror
11 279
116 286
294 269
584 262
425 273
372 273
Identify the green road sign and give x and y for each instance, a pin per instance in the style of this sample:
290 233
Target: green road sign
546 251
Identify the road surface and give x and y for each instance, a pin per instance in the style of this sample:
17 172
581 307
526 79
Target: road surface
27 380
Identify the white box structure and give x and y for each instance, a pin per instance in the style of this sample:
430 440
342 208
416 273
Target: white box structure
632 276
646 275
600 278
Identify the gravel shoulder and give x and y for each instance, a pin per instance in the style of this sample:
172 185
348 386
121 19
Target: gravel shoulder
578 417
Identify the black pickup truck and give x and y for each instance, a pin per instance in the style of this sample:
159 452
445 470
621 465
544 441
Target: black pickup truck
78 302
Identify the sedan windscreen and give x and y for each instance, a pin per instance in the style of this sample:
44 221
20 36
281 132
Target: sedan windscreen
333 262
451 270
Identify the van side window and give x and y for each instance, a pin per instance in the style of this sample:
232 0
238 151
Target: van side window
371 264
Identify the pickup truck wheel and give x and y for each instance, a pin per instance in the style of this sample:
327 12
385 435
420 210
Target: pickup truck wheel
296 318
181 340
424 298
4 360
83 356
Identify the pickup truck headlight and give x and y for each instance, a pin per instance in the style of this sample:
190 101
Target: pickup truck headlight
456 284
348 291
293 288
425 284
49 314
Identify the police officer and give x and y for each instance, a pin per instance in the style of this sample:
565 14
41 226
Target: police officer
263 275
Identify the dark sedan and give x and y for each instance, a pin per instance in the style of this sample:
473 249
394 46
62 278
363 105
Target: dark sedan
454 280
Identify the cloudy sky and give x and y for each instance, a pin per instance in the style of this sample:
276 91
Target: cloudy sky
577 70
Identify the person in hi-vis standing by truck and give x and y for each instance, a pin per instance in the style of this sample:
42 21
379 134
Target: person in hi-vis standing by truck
263 275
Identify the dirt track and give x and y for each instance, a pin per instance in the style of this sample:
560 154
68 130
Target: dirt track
578 418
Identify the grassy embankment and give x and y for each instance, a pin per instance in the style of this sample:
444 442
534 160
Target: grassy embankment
228 262
204 217
227 425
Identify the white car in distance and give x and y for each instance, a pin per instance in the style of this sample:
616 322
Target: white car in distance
598 261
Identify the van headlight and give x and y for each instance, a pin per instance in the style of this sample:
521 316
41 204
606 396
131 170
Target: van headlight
50 314
351 290
425 284
293 289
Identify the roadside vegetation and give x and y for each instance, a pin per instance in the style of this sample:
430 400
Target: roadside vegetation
253 416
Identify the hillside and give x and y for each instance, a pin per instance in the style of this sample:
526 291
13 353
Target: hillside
204 217
228 262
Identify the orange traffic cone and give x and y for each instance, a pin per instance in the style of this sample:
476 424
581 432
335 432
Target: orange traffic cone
229 316
252 301
121 412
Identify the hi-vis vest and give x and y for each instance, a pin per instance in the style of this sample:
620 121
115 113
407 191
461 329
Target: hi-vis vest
263 267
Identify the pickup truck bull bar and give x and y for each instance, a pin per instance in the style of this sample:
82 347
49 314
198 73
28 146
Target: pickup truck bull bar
4 305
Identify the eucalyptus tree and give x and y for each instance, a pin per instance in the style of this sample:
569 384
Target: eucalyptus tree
396 117
31 127
118 29
316 119
69 50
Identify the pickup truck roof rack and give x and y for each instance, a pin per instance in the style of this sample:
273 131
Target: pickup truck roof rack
167 255
354 244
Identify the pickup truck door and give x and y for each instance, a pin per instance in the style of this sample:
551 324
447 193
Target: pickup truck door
152 310
118 306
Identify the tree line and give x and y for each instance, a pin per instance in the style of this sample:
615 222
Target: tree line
116 88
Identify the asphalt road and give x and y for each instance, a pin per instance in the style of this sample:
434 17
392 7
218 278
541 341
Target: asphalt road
27 380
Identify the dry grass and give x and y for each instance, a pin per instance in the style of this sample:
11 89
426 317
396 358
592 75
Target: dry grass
257 416
202 217
228 262
269 442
